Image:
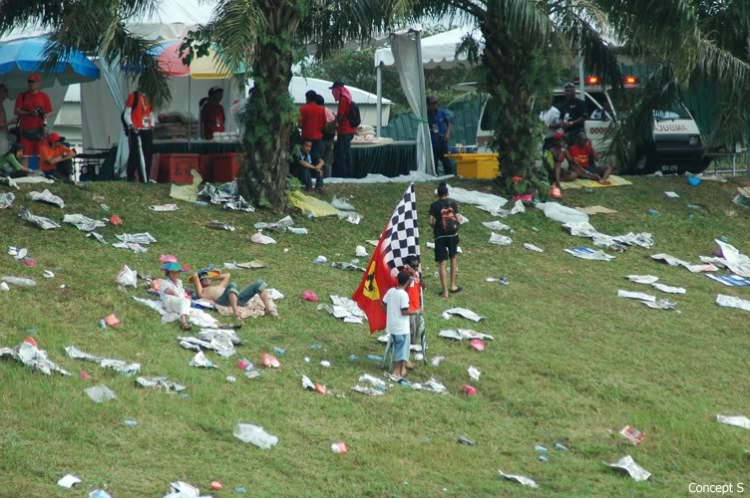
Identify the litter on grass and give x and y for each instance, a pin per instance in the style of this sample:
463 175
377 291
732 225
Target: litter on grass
730 258
197 317
532 247
259 238
595 210
519 479
562 214
462 312
496 225
47 197
672 195
181 489
269 361
501 280
617 243
660 304
320 260
360 252
640 296
500 240
253 434
474 373
735 420
669 290
6 200
633 435
164 208
200 361
127 277
643 279
118 366
99 493
97 237
672 261
730 280
100 394
732 302
344 309
589 254
160 383
136 248
342 205
464 334
491 203
68 481
280 226
21 282
40 221
83 223
252 265
29 355
216 225
221 341
137 238
628 465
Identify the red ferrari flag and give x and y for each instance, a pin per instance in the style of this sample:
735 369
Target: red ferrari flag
399 239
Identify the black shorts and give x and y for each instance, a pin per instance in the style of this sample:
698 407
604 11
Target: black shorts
445 247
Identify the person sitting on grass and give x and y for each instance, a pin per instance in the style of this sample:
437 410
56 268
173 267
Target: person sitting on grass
396 304
218 289
309 167
172 294
554 158
56 158
586 158
10 165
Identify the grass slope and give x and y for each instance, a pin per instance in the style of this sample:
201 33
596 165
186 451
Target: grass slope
571 361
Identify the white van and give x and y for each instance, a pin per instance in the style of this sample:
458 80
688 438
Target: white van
676 146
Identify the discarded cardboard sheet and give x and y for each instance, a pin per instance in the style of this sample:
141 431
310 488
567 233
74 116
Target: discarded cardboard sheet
591 210
732 302
628 465
519 479
589 254
462 312
735 420
118 366
47 197
42 222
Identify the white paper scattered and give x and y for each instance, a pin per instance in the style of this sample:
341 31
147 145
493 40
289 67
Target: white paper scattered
360 252
618 243
47 197
731 258
500 240
643 279
462 312
474 373
164 208
100 394
672 261
660 304
259 238
496 225
181 489
736 420
627 464
345 309
732 302
200 361
464 334
127 277
670 290
280 226
32 357
532 247
672 195
136 238
589 254
519 479
636 295
217 225
97 237
83 223
562 214
40 221
118 366
68 481
161 383
253 434
6 200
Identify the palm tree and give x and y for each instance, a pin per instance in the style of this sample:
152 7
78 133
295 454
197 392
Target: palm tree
262 35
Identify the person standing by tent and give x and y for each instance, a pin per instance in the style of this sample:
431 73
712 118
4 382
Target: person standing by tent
440 133
329 133
345 129
312 120
139 121
444 222
32 108
212 114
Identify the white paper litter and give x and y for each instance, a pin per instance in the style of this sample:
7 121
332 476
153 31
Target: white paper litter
164 208
274 294
31 356
660 304
519 479
297 231
732 302
589 254
196 316
344 309
221 341
487 202
249 433
462 312
432 385
670 290
21 282
627 464
279 226
474 373
321 260
374 382
136 248
161 383
464 334
636 295
307 384
643 279
259 238
672 195
6 200
42 222
496 225
200 361
619 242
83 223
737 263
98 237
217 225
532 247
47 197
100 394
500 240
342 205
181 489
672 261
68 481
118 366
562 214
136 238
4 287
360 252
252 265
736 420
127 277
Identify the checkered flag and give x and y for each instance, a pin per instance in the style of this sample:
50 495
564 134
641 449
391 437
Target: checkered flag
401 236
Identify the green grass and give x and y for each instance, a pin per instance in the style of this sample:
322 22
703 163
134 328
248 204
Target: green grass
571 361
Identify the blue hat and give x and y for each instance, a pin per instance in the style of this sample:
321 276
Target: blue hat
173 267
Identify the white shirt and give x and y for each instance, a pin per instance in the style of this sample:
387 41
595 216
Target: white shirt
550 117
166 284
396 300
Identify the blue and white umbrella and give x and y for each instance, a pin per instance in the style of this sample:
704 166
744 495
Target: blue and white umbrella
19 58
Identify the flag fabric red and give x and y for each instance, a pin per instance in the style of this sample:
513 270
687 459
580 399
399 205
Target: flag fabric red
399 239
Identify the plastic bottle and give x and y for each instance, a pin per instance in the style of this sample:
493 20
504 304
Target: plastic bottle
354 358
102 324
279 351
374 357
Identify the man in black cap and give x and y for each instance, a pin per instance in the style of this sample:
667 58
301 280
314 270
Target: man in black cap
345 130
574 114
440 133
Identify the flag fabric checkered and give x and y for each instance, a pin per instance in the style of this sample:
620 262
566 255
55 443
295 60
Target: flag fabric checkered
401 236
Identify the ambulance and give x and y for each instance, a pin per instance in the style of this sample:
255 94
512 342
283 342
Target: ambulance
675 146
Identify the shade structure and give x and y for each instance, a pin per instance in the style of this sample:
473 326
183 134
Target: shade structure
201 68
21 57
437 50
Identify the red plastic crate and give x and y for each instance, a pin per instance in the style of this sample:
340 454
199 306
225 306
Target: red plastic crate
225 167
176 168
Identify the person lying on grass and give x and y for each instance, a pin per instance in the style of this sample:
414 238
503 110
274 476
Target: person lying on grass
586 158
396 304
217 288
172 294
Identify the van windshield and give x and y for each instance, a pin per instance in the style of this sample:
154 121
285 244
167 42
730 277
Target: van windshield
675 111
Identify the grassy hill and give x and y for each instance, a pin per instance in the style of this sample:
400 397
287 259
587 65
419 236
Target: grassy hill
571 362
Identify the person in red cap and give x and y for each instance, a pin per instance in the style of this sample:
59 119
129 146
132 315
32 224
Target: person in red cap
212 113
56 158
32 108
553 161
139 123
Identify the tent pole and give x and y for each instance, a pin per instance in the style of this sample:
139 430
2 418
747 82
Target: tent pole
581 76
380 98
190 105
423 108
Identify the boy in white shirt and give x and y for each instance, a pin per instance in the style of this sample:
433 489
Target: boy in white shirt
396 304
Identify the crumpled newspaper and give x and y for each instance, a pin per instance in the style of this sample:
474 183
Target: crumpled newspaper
496 225
33 357
181 489
279 226
44 223
618 243
732 259
239 204
532 247
500 240
137 238
589 254
668 289
47 197
660 304
636 295
200 360
259 238
136 248
18 253
736 420
164 208
100 393
217 225
218 340
474 373
462 334
127 277
6 200
732 302
346 211
97 237
462 312
344 309
162 383
228 195
672 261
519 479
627 464
643 279
83 223
432 385
342 205
250 433
562 214
347 266
119 366
297 230
197 317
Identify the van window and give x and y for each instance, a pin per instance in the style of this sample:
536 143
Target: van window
675 111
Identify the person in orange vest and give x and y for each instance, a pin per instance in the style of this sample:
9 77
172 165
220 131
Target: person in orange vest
32 108
138 117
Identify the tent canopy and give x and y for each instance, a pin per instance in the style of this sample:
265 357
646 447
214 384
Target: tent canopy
437 50
299 85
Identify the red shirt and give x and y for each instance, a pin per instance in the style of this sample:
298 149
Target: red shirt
47 152
213 119
141 115
344 127
582 155
312 119
29 101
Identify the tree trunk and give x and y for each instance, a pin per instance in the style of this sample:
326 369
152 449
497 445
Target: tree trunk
270 115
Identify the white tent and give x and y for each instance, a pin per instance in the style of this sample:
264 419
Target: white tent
437 50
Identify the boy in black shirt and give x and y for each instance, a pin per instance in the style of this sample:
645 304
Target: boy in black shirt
444 222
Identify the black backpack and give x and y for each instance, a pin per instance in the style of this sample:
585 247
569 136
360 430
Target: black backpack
448 220
354 117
